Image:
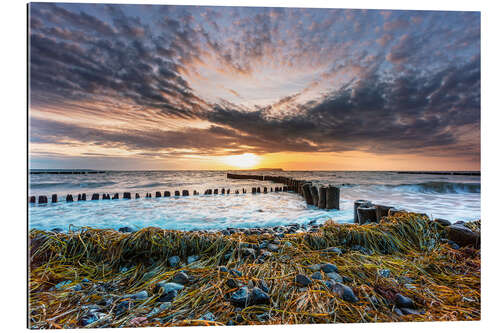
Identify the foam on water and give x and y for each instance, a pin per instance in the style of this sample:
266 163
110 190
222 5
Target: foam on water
450 197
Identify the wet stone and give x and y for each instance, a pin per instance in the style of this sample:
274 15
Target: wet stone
344 292
125 229
181 278
232 283
170 286
403 301
317 276
302 280
263 285
208 316
408 311
335 250
384 273
335 277
258 296
314 267
240 297
235 273
174 261
273 247
168 297
223 269
328 268
192 259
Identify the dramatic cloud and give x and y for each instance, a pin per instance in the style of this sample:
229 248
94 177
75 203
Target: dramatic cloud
165 81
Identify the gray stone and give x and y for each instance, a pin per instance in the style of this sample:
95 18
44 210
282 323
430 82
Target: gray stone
140 296
463 236
169 286
208 316
443 222
403 301
263 285
335 250
408 311
314 267
181 278
384 273
335 277
248 252
174 261
328 268
317 276
240 297
273 247
302 280
258 296
235 273
344 292
192 259
232 283
223 269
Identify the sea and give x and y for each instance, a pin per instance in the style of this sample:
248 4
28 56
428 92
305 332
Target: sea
452 197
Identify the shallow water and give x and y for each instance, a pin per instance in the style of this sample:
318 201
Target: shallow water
450 197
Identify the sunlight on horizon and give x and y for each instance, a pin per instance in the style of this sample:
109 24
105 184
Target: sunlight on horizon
243 161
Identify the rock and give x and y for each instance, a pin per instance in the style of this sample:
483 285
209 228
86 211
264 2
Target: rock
273 247
314 267
192 259
168 286
287 244
223 269
347 279
463 236
181 278
122 307
125 229
335 250
76 287
335 277
362 249
90 318
232 283
408 311
344 292
442 222
398 312
168 297
302 280
403 301
317 276
174 261
384 273
57 230
208 316
258 296
140 296
263 317
62 285
453 245
328 268
248 252
235 273
265 254
240 297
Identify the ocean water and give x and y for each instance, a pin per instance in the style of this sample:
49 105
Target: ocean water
451 197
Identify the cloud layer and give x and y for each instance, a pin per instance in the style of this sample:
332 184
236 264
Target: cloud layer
167 81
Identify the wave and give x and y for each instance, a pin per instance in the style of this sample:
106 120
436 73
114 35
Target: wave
70 185
441 187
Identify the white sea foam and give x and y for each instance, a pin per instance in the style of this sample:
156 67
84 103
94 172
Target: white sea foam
450 197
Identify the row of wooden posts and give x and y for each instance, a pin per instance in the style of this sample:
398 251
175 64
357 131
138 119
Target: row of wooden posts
365 212
42 199
324 197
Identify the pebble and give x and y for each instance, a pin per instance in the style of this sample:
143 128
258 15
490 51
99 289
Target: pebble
126 229
258 296
384 273
240 297
141 295
174 261
265 254
287 244
248 252
317 276
168 296
263 317
181 278
335 277
314 267
335 250
273 247
328 268
223 269
362 249
443 222
208 316
344 292
302 280
192 259
169 286
408 311
398 311
403 301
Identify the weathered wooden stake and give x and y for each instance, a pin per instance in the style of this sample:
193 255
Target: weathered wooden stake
265 189
127 195
360 203
195 192
69 198
166 193
382 211
158 194
258 189
244 191
79 197
216 191
254 190
116 196
306 188
54 198
228 190
237 192
185 193
42 199
148 195
177 193
32 199
322 197
137 196
315 195
332 197
223 191
367 214
95 196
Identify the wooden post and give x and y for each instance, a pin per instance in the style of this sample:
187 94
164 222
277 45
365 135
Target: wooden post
126 195
42 199
195 192
105 196
177 193
306 188
382 211
54 198
116 196
322 197
32 199
258 189
360 203
244 191
270 188
69 198
228 190
166 193
315 195
223 191
216 191
79 197
158 194
237 192
332 197
367 214
265 189
137 196
95 196
185 193
148 195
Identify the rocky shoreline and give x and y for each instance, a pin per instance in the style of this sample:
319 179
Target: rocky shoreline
406 268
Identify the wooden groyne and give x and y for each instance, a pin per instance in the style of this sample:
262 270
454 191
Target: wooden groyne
453 173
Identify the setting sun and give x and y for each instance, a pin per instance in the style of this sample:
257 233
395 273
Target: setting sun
247 160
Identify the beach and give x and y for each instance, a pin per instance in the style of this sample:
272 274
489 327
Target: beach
402 269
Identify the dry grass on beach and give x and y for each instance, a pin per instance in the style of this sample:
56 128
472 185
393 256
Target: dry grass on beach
104 269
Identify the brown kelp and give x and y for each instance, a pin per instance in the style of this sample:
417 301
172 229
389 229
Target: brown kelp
398 270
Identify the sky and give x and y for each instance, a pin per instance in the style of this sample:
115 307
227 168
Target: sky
134 87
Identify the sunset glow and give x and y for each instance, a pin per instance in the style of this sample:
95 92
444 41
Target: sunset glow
243 161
